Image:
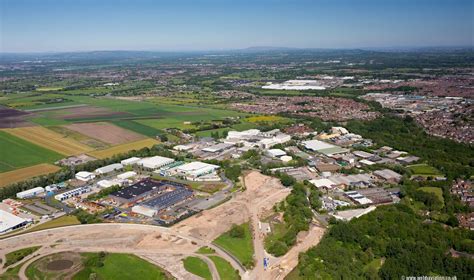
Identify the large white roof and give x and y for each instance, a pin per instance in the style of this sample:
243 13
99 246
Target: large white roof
195 165
155 162
8 221
317 145
319 183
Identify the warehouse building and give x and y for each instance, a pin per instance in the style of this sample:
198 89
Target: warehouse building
217 148
155 162
324 148
72 193
9 222
388 175
108 168
195 169
138 191
130 161
126 175
85 176
30 193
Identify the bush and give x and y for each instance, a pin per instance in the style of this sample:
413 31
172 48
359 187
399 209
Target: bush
278 248
237 231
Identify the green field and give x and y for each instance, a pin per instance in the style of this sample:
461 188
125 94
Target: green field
197 267
241 248
121 266
97 266
424 169
224 268
16 153
18 255
138 128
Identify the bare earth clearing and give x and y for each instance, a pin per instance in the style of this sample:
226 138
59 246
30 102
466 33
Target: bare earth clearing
166 247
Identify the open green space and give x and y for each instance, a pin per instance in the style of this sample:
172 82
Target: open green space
224 268
16 153
197 267
239 245
18 255
11 273
138 127
119 266
205 251
423 169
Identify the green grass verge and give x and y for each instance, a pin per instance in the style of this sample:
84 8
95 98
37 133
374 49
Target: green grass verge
16 153
224 268
205 251
241 248
197 267
119 266
18 255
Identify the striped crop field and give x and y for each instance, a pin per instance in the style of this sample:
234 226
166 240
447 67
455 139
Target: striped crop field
137 145
10 177
49 139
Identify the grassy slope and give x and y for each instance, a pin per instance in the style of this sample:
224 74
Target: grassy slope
224 268
122 266
241 248
18 255
16 153
197 266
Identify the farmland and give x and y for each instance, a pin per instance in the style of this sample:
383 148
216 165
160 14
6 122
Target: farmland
105 132
50 140
10 177
123 148
16 153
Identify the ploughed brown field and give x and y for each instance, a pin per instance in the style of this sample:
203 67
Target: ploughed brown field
11 118
106 132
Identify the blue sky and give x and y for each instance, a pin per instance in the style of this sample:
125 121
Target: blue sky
79 25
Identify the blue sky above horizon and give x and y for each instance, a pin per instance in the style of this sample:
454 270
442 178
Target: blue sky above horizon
177 25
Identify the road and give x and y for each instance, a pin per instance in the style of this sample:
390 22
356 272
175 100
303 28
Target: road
151 241
166 247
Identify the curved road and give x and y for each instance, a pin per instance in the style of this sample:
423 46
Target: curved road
124 238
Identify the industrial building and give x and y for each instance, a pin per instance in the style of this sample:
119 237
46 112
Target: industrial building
130 161
110 183
195 169
30 193
9 222
217 148
72 193
85 176
323 147
138 191
108 168
388 175
126 175
155 162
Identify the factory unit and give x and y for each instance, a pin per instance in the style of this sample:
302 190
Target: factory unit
108 168
9 222
85 176
155 162
72 193
137 191
130 161
126 175
195 169
30 193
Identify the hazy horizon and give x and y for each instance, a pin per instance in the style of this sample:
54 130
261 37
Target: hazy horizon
29 26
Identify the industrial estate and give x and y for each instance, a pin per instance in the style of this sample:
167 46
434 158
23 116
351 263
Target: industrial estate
266 164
